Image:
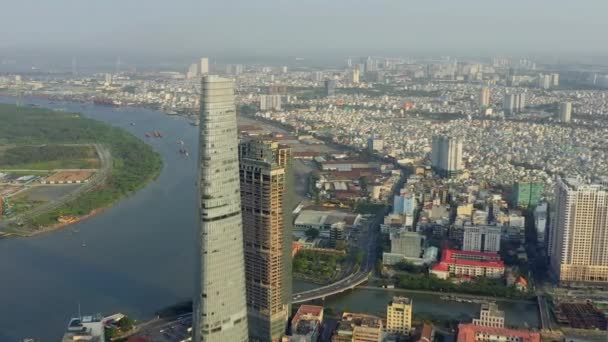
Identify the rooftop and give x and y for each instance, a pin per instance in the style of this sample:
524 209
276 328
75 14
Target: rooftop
470 333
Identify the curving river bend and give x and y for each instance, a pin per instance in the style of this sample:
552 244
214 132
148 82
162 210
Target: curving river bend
139 254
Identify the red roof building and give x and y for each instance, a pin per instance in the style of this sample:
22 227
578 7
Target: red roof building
477 333
467 263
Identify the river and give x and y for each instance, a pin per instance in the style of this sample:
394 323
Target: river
139 254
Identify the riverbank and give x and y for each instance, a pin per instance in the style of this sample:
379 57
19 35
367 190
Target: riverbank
128 164
442 294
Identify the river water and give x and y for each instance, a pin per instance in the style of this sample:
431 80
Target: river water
139 254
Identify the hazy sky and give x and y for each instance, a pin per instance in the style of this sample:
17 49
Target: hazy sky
305 27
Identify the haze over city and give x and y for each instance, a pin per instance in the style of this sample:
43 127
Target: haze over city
159 30
303 171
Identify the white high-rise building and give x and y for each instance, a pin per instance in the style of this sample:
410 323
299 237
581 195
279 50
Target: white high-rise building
446 155
578 243
270 102
204 66
354 76
481 239
565 111
192 71
484 97
513 103
220 311
540 222
544 81
555 80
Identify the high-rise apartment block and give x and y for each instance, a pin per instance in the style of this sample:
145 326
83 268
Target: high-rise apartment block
204 66
270 102
484 97
192 71
579 232
355 76
481 239
264 170
564 111
513 103
446 155
399 316
220 311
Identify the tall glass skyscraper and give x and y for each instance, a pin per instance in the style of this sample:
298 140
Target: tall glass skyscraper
220 312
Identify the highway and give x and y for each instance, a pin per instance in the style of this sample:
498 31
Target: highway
353 280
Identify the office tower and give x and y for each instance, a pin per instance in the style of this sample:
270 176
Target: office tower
481 239
270 102
399 316
284 69
220 311
192 71
375 144
349 62
264 172
484 97
578 247
565 111
446 155
490 316
330 87
354 76
108 79
526 194
555 80
204 66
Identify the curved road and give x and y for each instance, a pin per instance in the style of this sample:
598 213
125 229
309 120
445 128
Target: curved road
352 280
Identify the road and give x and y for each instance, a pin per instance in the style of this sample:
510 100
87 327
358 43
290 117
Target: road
98 178
352 280
545 316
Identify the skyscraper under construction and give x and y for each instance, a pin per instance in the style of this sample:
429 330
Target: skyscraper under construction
220 312
265 171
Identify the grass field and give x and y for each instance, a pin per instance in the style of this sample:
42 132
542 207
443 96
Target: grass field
26 129
48 157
